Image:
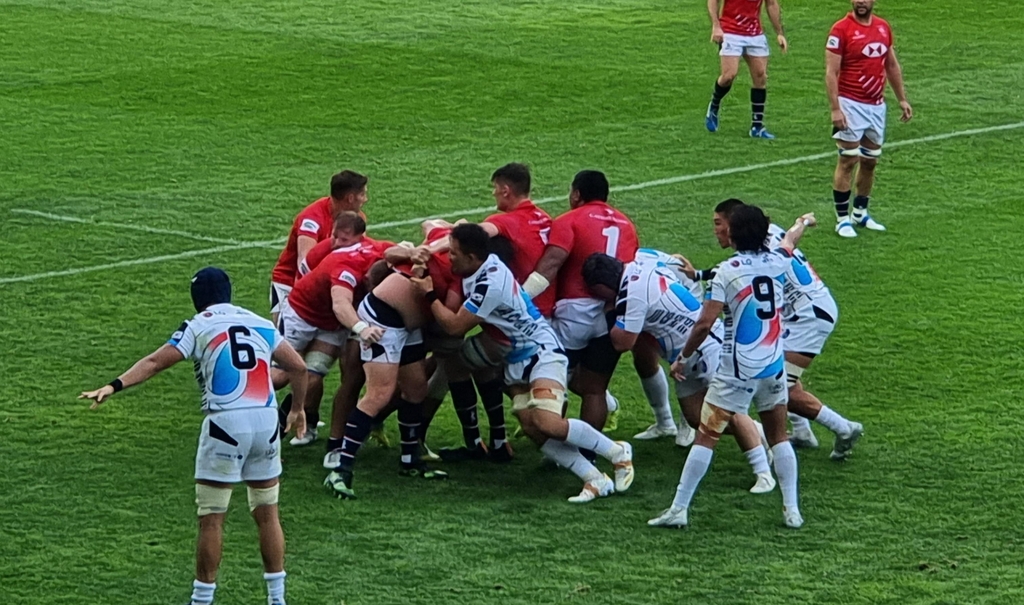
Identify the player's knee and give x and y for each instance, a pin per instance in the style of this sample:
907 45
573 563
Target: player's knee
547 399
319 363
263 496
714 420
212 500
869 155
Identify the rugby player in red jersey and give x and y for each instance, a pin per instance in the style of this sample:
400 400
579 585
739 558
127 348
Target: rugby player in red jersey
738 33
859 58
579 319
317 316
314 224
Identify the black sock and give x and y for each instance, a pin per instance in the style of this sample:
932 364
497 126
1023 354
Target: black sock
464 400
334 444
356 430
410 415
719 94
842 201
757 100
312 419
860 205
283 409
493 397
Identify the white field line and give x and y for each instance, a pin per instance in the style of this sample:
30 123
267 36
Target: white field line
139 261
471 211
126 226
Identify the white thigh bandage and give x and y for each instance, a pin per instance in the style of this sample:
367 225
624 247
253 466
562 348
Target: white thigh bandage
520 402
212 500
871 154
714 420
549 400
850 153
319 362
793 373
263 496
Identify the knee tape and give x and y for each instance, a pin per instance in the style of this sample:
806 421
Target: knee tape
520 402
212 500
549 400
793 373
714 420
849 153
319 362
264 496
871 154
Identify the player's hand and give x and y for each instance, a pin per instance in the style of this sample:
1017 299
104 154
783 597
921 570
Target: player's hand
678 369
687 267
296 422
907 111
98 396
808 220
717 35
371 334
783 43
425 283
420 256
839 119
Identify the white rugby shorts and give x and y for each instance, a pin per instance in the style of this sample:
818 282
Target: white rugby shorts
544 364
577 321
862 120
736 46
700 369
299 333
811 329
278 294
239 445
389 348
736 394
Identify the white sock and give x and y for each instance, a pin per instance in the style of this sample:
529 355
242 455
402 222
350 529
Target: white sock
611 402
586 437
697 463
758 460
202 593
834 422
785 470
275 587
800 424
569 457
656 391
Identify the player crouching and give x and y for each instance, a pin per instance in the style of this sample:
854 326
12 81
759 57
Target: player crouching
536 366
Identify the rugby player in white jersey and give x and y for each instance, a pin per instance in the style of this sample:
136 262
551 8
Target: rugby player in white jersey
536 366
748 287
232 349
809 317
649 299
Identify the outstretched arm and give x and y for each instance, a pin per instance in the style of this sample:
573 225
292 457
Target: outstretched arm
796 232
144 369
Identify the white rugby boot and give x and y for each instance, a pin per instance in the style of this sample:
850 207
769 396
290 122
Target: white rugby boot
656 432
593 490
670 517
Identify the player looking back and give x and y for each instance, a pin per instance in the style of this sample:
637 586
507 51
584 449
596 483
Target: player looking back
738 33
232 349
859 57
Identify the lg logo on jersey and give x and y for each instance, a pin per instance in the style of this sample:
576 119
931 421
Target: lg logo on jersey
875 49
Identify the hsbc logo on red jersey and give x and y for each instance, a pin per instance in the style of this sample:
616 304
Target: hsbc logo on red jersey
875 49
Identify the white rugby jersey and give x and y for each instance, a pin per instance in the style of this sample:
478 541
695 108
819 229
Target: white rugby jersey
803 286
673 264
493 295
750 286
231 348
652 300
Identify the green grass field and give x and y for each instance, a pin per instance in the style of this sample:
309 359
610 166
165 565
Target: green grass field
222 119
